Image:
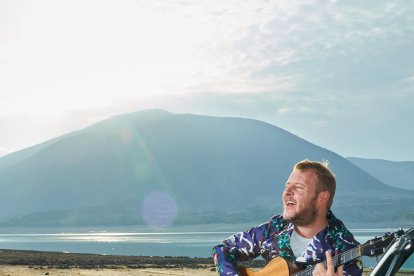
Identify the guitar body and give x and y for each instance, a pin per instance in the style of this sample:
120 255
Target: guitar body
276 267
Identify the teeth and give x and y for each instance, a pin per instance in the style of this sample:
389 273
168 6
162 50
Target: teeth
289 202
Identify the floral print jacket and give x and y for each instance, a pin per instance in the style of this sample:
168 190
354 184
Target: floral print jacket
272 239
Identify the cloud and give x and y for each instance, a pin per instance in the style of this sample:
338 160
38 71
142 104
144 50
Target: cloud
347 45
4 152
327 71
410 79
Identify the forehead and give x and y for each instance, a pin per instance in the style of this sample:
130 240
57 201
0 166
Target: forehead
306 177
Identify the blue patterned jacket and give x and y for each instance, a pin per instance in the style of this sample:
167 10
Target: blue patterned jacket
272 239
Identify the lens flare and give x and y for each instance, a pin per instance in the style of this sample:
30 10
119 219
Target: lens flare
158 209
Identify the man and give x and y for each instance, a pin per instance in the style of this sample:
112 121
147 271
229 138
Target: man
307 231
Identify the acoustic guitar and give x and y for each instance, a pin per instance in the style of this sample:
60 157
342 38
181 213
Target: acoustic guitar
281 267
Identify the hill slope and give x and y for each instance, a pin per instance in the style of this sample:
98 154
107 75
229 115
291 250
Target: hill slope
395 174
155 167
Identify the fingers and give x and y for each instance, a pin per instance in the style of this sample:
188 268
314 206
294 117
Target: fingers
320 269
329 263
328 269
340 270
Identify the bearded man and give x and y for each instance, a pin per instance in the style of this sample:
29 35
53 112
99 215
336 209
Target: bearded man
306 233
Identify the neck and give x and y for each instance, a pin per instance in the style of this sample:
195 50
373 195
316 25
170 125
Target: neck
310 230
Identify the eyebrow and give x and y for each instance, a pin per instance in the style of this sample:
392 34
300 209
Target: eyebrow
295 183
298 184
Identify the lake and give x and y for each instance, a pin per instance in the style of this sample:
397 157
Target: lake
179 241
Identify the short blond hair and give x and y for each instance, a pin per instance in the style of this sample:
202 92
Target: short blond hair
326 178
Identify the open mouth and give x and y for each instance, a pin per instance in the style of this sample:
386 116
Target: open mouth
290 203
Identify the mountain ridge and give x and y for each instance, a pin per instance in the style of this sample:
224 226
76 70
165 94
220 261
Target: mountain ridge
206 165
394 173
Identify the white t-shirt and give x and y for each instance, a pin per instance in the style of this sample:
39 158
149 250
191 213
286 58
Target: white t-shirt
299 245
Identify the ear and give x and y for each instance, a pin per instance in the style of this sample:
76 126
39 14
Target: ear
323 198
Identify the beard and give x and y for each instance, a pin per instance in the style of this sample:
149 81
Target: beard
306 216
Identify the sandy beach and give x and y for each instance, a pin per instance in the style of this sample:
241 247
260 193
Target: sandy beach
6 270
25 262
36 263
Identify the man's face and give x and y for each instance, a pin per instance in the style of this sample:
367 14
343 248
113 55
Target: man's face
299 198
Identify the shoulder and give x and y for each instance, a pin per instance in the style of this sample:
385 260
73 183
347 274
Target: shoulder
338 234
277 224
336 226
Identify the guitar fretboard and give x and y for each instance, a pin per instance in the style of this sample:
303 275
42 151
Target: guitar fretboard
338 260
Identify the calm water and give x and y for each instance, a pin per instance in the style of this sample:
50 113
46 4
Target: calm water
193 242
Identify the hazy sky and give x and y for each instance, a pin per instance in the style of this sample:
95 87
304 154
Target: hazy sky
339 74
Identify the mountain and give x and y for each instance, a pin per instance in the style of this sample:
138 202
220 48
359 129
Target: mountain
158 168
396 174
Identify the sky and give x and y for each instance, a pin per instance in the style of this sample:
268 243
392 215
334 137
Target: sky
339 74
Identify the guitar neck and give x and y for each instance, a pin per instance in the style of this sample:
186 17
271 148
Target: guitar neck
338 260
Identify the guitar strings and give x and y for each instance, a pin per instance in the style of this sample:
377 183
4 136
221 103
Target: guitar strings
348 253
347 256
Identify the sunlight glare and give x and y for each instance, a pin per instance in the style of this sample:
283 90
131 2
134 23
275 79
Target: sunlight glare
158 209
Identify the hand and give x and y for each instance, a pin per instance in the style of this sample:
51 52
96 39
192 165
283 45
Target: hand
328 269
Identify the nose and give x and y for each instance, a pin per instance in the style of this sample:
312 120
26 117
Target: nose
288 190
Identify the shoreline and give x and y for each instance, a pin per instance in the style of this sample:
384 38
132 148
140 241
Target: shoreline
30 262
11 270
92 261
